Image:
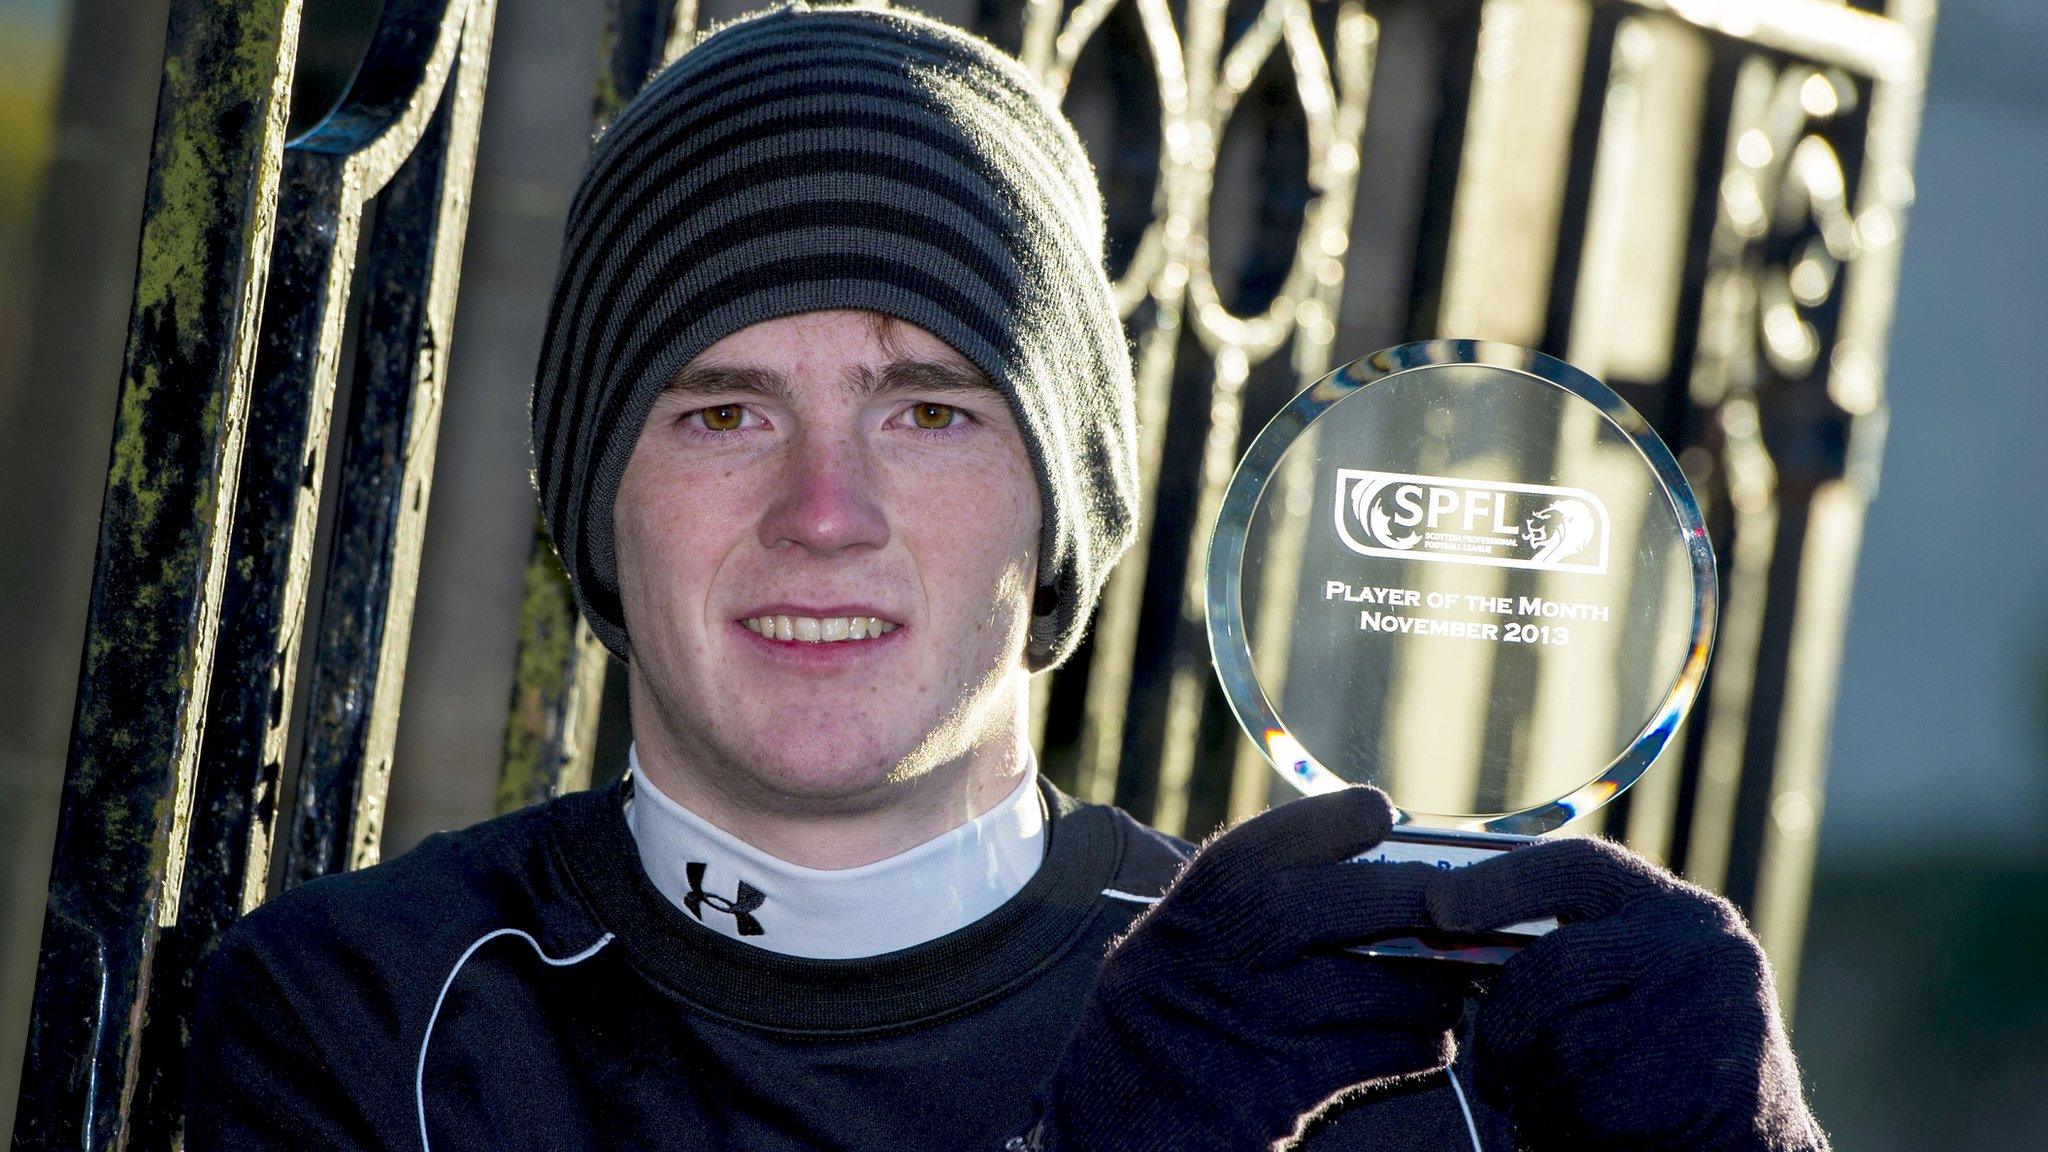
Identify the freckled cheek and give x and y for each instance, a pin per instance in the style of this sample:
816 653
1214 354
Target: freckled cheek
975 536
671 532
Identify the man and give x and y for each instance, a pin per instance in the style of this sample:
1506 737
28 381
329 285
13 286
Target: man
833 432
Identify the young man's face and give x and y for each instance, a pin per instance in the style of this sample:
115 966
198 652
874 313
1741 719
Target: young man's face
800 487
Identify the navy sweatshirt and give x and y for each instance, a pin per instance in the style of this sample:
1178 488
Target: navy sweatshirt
521 984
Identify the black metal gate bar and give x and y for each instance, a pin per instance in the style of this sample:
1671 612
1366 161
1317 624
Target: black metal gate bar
116 870
388 458
558 689
330 173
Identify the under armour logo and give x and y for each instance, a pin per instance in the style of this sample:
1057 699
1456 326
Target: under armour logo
741 908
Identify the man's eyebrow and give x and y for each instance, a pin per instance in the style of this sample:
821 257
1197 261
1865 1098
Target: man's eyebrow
711 381
919 376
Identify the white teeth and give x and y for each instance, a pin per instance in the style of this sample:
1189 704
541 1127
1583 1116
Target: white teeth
813 630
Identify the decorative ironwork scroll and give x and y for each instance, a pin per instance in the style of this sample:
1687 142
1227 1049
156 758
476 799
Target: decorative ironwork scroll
388 455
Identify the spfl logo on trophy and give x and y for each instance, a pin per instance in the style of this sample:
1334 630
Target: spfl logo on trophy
1459 521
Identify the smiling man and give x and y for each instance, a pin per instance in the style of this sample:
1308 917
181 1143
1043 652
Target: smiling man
833 432
835 522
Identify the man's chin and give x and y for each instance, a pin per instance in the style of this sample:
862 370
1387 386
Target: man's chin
846 775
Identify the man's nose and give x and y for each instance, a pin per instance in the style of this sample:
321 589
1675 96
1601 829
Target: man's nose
826 499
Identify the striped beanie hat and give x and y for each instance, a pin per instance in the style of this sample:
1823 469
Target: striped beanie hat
816 157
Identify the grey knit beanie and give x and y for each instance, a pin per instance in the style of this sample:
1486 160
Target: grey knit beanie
813 157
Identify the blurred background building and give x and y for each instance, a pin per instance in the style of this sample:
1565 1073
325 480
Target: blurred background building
1922 1002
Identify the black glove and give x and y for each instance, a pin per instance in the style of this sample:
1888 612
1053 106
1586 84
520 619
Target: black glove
1647 1021
1228 1011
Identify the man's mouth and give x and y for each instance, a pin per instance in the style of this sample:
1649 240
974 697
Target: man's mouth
819 630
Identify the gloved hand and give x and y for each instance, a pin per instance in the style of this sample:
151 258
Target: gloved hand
1228 1011
1648 1021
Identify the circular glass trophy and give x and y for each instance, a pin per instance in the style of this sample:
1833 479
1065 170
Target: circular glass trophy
1470 575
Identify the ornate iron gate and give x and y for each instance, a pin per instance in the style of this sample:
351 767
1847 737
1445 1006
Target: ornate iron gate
1700 200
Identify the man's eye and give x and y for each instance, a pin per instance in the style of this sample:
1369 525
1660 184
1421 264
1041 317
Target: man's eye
722 417
935 416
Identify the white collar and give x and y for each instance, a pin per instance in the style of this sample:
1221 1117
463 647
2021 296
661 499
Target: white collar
920 894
